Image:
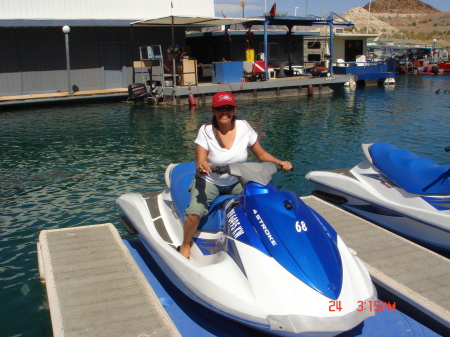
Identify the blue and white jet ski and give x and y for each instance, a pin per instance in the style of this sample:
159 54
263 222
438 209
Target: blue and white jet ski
262 258
395 189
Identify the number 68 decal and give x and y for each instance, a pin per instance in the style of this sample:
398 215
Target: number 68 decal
300 226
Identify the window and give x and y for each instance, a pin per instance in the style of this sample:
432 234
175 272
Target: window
314 45
313 57
272 49
353 48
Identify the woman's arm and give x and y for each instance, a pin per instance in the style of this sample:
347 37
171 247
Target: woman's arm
262 155
202 163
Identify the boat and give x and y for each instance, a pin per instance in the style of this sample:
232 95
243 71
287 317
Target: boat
444 65
365 72
262 258
431 70
395 189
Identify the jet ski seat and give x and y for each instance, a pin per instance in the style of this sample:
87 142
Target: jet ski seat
412 173
181 179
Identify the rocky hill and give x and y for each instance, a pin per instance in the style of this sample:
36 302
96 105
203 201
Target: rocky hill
405 20
366 23
400 7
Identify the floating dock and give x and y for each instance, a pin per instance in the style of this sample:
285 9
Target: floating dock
95 287
273 88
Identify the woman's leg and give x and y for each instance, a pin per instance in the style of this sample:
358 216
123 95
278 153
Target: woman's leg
190 226
202 195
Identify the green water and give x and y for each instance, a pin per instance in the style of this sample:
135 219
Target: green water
65 166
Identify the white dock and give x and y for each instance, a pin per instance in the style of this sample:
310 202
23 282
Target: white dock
95 288
415 274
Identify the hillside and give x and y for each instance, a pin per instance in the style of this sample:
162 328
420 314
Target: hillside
403 20
400 7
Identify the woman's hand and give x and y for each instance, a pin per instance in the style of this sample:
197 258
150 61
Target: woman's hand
203 168
286 166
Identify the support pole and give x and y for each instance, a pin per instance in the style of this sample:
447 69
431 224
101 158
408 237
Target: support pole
330 67
266 50
66 31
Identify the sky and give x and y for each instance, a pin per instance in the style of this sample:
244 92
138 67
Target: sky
233 8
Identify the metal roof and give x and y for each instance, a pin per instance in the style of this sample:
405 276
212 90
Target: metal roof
132 10
61 22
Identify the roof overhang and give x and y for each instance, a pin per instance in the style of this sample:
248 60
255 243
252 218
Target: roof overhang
310 20
255 32
195 21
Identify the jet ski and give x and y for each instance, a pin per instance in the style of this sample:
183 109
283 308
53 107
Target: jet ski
395 189
262 258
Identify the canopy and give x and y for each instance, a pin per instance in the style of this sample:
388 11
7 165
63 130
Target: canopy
218 21
196 21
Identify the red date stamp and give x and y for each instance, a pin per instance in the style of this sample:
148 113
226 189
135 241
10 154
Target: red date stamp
365 305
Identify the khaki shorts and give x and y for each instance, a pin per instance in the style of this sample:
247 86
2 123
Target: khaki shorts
203 194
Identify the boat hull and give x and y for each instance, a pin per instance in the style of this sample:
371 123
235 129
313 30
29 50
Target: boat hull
444 65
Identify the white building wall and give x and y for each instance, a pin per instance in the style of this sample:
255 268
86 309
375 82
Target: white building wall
103 9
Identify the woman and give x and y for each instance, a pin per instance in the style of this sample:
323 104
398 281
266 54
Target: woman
223 141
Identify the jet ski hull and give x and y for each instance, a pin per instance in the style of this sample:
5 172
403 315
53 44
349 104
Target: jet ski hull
367 192
242 282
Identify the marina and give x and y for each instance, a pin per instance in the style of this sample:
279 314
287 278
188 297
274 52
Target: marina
63 166
99 111
275 59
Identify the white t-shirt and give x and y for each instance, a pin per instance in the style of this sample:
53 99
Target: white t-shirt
218 156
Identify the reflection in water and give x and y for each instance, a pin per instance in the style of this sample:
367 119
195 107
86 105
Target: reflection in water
65 166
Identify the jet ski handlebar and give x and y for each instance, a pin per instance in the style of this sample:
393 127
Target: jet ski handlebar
221 169
260 173
226 169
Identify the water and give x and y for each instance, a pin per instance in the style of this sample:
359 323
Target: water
65 166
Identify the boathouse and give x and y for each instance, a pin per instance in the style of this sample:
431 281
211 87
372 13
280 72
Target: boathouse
98 40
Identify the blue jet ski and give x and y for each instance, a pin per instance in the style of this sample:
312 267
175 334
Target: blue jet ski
262 258
396 189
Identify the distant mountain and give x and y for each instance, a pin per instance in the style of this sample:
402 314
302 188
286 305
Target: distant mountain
400 7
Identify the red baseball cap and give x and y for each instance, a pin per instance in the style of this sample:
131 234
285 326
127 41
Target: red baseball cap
223 98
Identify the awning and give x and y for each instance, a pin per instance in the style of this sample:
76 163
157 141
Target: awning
218 21
196 21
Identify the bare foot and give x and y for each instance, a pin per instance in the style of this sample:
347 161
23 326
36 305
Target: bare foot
185 250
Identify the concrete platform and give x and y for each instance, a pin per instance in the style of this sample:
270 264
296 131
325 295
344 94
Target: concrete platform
54 97
95 288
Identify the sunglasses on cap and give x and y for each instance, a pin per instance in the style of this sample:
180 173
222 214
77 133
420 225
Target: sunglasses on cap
225 108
